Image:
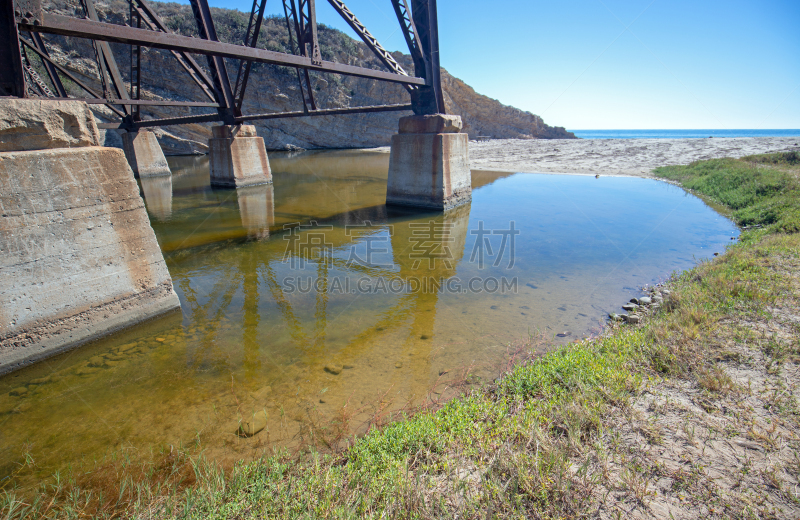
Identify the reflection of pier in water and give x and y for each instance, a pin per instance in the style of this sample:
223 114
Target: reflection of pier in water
313 330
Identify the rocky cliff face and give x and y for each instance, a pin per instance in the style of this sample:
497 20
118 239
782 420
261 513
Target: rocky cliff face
275 89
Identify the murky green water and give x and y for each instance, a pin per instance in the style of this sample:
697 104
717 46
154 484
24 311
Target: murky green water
279 282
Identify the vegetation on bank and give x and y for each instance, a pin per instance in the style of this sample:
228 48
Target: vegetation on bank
559 436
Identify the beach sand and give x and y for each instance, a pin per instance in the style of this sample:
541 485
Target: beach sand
635 157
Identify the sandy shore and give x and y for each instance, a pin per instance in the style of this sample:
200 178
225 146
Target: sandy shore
613 156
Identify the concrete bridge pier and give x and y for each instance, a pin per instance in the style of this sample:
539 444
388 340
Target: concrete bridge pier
144 154
238 157
429 163
78 257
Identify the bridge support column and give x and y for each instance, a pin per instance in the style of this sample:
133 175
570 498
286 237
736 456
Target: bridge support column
429 165
144 154
78 258
238 157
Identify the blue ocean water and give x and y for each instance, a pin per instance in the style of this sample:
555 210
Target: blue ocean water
681 134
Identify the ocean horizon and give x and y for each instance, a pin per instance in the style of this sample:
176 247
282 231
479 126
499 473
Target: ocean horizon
683 134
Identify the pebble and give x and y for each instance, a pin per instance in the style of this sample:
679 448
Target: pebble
161 340
253 425
630 306
19 392
645 300
665 292
96 361
348 367
632 318
399 364
85 371
41 380
563 334
128 347
334 369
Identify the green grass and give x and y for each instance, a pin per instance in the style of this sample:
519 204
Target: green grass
762 190
522 447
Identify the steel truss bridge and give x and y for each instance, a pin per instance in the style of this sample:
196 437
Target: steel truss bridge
22 23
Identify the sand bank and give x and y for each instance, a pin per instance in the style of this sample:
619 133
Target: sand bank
613 156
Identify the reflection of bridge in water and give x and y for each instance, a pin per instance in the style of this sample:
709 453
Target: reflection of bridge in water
255 277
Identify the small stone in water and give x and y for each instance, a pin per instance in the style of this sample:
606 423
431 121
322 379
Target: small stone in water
19 392
334 369
96 361
85 371
399 364
161 340
630 306
494 307
253 425
563 334
41 380
348 367
424 336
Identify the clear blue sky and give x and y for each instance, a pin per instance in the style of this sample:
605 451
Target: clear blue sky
614 64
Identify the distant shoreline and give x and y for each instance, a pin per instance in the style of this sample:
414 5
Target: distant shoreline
635 157
703 133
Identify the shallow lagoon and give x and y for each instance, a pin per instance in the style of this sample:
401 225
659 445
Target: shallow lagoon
309 298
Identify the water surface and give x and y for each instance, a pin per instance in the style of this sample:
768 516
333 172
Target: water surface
310 298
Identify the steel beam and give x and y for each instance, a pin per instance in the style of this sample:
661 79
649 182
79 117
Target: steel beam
137 102
152 20
12 75
36 38
106 61
67 26
428 99
146 123
71 76
219 73
326 112
250 40
372 42
411 35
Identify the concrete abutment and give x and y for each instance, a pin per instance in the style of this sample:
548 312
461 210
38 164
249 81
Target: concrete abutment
429 163
78 257
238 157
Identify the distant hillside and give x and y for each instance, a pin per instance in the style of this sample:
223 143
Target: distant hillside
274 88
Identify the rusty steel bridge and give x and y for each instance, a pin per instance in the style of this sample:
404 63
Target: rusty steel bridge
23 22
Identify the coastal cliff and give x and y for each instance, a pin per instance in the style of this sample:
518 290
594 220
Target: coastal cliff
275 89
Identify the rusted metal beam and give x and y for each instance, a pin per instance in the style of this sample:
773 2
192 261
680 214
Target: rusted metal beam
106 61
428 99
326 112
138 102
250 40
67 26
12 75
146 123
411 35
198 75
208 118
71 76
36 38
372 42
219 73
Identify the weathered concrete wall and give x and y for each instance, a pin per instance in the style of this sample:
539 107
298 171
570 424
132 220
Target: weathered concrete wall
144 154
27 124
429 163
238 157
78 258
